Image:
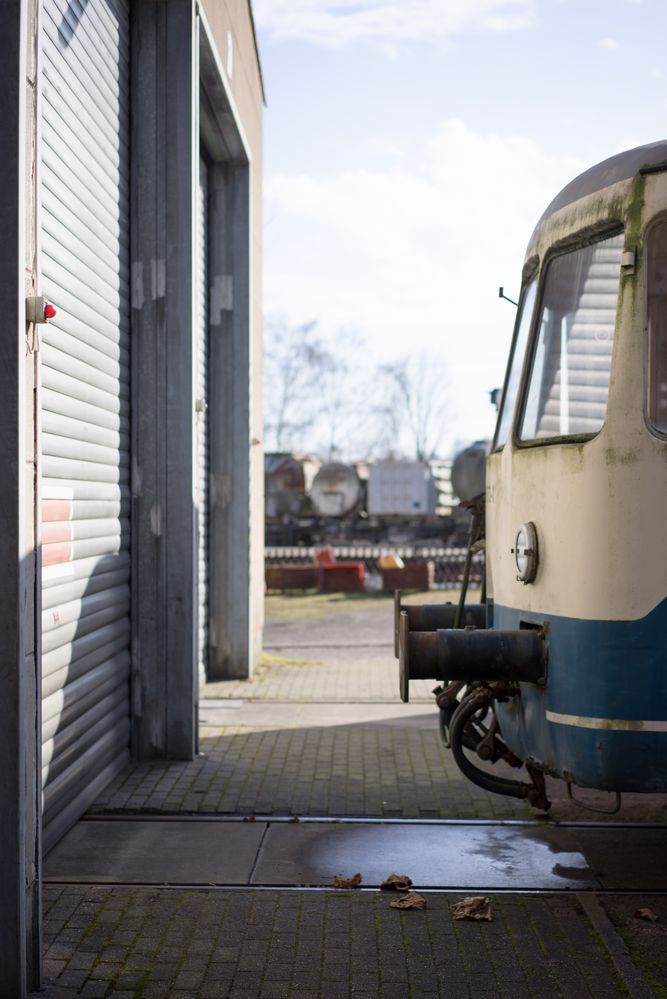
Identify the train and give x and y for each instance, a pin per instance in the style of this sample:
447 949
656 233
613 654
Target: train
308 502
562 670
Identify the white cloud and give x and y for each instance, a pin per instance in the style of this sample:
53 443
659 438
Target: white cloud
335 23
608 43
413 257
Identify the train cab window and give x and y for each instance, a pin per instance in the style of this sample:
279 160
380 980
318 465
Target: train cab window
656 246
571 363
515 363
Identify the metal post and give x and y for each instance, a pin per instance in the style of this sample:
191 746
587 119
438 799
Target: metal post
164 156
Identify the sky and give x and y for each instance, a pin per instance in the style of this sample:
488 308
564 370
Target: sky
410 147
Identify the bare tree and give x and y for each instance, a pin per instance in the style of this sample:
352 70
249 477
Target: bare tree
316 393
413 409
343 428
326 396
295 358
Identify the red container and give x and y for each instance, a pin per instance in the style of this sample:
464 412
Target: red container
342 577
416 576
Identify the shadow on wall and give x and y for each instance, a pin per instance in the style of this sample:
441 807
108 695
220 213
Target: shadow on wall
70 22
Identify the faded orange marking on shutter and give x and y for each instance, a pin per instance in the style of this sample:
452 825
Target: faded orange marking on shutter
57 531
57 509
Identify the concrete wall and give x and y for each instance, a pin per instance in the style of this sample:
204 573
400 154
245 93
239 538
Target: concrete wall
232 19
19 703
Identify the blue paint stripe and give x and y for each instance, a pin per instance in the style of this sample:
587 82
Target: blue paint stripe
603 669
597 670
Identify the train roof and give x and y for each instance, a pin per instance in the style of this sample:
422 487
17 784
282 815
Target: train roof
652 157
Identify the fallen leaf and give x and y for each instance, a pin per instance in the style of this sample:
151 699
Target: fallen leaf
397 882
341 882
475 907
647 914
249 818
295 818
410 901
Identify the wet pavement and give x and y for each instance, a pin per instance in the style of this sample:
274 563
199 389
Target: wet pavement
164 891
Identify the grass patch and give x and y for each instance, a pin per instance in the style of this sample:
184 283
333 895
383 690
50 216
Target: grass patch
308 603
268 659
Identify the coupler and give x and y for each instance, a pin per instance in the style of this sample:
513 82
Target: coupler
469 654
432 617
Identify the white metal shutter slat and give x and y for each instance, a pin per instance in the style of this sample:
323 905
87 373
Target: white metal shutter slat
86 227
82 696
88 198
81 316
90 395
69 662
55 446
69 364
85 448
77 776
112 598
102 173
85 353
66 426
79 264
202 417
57 425
105 25
64 468
59 753
74 409
78 332
93 92
86 576
95 115
102 37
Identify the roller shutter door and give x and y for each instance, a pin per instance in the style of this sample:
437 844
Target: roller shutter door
85 404
202 416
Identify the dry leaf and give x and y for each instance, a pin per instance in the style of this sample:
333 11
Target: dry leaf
410 901
397 882
295 818
341 882
249 818
475 907
647 914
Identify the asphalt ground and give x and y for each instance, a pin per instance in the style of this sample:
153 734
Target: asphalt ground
320 732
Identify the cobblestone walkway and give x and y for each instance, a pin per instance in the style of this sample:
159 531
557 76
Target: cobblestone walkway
203 944
295 741
324 673
356 771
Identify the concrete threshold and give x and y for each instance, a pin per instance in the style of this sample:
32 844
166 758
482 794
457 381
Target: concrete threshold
463 856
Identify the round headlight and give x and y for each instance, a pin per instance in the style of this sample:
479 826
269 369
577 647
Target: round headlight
525 553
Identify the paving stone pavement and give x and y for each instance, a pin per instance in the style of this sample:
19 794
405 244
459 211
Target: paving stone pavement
157 943
204 944
356 770
323 769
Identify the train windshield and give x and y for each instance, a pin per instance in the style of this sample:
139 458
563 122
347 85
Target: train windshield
515 364
569 377
657 326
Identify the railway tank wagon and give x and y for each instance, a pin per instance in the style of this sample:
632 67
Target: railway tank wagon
569 676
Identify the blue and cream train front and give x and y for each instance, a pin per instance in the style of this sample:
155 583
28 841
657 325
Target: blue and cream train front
581 454
576 491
